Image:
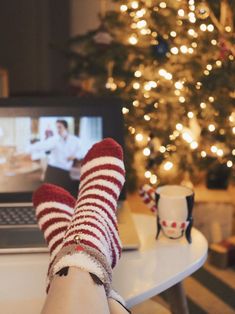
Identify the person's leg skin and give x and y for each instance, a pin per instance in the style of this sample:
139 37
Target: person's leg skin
76 293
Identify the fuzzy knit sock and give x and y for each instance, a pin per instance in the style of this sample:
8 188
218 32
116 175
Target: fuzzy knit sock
91 241
54 210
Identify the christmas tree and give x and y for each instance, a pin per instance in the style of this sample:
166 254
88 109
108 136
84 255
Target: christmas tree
172 63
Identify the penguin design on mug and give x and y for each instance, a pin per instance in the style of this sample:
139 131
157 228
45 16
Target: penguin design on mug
174 211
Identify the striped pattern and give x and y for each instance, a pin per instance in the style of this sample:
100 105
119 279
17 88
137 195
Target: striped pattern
147 193
91 241
54 210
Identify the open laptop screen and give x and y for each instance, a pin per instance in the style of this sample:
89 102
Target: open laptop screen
43 140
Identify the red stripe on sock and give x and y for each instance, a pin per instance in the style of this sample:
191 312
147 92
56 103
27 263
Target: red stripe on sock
106 178
103 167
98 206
47 211
97 197
56 232
52 221
101 188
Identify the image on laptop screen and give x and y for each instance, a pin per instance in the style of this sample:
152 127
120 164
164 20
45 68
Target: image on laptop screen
44 149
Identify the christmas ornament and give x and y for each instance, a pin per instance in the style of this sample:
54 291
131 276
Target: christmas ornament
174 211
103 38
161 48
202 10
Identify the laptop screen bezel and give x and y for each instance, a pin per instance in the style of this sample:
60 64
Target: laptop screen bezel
109 108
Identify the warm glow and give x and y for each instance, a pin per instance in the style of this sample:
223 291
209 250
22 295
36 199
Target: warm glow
203 154
153 179
162 149
168 165
146 151
138 73
184 49
173 34
179 127
229 163
211 127
146 117
136 103
139 137
147 174
187 137
162 5
220 152
141 24
136 85
181 99
134 5
174 50
123 7
194 145
179 85
203 105
133 40
125 110
203 27
190 115
210 27
214 149
181 12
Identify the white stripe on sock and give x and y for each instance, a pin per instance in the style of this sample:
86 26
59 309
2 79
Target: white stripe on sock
100 161
109 173
57 205
104 183
101 193
50 216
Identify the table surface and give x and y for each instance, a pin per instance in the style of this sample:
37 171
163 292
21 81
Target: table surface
156 266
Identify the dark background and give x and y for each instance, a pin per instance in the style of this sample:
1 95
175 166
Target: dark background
27 30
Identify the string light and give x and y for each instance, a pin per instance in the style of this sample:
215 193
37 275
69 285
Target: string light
123 8
153 179
134 5
136 85
146 151
141 24
125 110
146 117
168 165
187 137
194 145
228 29
218 63
214 149
209 67
133 40
181 99
210 28
173 34
233 130
229 163
138 73
174 50
211 127
214 42
135 103
162 149
203 105
147 174
203 27
139 137
140 13
179 127
220 152
203 154
179 85
211 99
233 152
181 12
190 115
184 49
162 5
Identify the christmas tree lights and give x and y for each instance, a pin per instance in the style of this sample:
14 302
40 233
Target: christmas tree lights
172 63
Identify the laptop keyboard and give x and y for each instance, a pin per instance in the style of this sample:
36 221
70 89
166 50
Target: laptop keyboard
17 216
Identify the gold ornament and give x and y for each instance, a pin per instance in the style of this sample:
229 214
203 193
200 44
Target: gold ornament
202 10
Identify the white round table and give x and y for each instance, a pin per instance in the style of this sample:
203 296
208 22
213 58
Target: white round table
140 275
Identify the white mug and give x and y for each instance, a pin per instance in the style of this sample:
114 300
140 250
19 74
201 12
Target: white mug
174 211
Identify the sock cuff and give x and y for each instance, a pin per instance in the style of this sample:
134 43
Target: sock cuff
86 259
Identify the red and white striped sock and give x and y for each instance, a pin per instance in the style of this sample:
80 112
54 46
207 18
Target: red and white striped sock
54 210
92 242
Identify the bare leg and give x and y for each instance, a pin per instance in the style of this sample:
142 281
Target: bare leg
75 293
116 308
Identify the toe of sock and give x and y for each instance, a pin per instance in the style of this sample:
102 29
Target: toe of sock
52 193
107 147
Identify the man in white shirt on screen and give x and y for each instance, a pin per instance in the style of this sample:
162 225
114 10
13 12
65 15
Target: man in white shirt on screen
64 148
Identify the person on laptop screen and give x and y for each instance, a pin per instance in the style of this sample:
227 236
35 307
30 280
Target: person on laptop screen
63 148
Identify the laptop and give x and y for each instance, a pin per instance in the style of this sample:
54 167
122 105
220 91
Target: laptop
26 124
